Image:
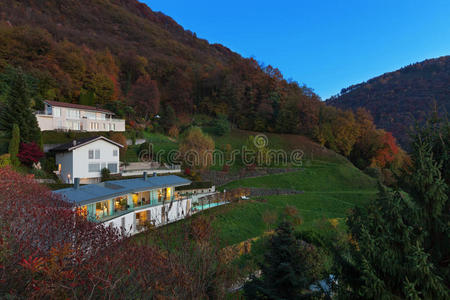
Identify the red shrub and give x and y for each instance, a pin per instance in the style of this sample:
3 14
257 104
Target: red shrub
48 250
29 153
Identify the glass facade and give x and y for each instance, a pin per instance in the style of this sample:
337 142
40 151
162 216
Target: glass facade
120 205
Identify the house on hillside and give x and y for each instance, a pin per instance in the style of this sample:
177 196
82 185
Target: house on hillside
68 116
131 204
85 158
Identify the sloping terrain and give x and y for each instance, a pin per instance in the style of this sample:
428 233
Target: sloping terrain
398 99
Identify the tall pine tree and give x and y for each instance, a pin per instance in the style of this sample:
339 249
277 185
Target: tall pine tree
14 145
400 243
287 268
17 110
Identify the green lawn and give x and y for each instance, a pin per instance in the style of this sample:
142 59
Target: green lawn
318 177
330 191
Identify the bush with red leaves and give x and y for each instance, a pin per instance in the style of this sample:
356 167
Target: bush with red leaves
29 153
48 249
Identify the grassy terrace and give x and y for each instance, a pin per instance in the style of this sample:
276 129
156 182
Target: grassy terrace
330 190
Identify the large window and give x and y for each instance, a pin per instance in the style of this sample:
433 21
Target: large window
102 209
94 168
142 218
112 168
56 112
74 114
91 115
120 203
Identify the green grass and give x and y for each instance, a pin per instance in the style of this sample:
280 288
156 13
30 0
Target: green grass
161 144
317 177
330 191
241 221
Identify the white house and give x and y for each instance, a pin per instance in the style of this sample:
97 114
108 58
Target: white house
68 116
85 158
130 204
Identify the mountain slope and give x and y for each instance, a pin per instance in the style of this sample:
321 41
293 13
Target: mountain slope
99 51
398 99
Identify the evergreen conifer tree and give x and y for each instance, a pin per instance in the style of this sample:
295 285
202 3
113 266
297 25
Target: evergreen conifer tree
17 110
400 244
14 144
283 272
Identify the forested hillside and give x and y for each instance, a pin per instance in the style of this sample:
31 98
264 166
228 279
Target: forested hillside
121 53
122 56
397 99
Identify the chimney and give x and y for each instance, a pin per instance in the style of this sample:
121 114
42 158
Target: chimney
154 174
145 175
76 183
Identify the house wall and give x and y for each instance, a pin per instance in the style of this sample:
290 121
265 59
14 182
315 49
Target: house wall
66 161
85 120
82 161
179 210
198 191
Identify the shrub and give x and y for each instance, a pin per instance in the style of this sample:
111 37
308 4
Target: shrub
174 132
195 147
106 174
5 160
30 153
222 126
374 172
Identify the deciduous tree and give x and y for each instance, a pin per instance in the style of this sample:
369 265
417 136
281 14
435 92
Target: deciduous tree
144 94
196 148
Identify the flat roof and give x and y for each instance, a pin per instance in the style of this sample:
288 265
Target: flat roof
91 193
78 106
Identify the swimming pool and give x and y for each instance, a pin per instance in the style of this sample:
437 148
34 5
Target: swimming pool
208 205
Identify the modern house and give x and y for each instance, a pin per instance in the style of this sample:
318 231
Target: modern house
130 204
68 116
85 158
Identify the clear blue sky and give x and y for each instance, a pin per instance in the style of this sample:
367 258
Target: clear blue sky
328 45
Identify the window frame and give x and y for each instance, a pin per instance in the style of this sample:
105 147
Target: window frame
96 170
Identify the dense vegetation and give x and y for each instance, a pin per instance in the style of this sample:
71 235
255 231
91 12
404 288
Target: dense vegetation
145 64
398 99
